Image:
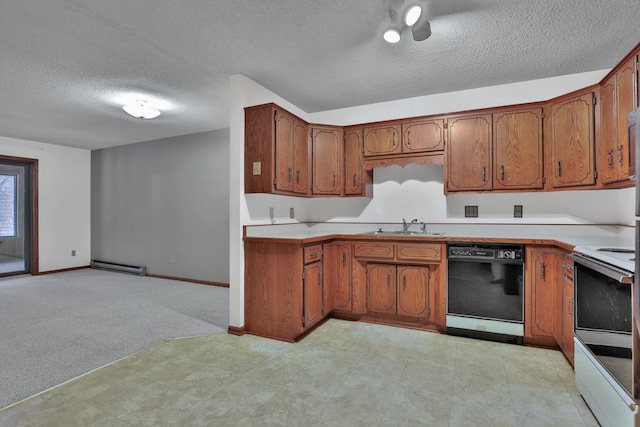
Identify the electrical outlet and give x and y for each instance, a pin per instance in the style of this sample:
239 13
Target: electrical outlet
291 213
471 211
73 252
517 211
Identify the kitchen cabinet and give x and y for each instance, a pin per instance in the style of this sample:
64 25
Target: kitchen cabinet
327 161
382 140
572 141
518 161
422 135
283 288
468 154
276 151
541 311
353 168
381 288
566 344
337 276
617 99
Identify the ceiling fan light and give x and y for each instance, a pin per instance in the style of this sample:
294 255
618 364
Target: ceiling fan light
412 15
140 110
392 35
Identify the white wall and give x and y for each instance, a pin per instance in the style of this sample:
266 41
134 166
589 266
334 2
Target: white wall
64 217
415 191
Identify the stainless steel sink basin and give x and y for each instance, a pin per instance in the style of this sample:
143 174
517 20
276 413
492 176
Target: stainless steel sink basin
403 233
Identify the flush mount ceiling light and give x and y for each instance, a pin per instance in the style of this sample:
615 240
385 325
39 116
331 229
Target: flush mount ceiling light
403 15
140 110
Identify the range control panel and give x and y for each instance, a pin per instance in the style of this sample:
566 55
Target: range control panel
488 252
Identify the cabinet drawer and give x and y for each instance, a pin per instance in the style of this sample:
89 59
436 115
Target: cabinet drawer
418 252
312 254
373 250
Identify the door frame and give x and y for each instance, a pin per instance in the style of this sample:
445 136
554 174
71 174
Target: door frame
33 204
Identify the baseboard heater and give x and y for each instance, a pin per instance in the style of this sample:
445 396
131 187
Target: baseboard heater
119 268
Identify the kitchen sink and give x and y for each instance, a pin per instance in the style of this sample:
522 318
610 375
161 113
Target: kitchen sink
402 233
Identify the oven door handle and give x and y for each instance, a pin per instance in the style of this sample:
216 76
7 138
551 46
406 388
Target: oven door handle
606 269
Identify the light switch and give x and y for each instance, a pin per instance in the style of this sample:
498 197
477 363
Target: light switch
257 168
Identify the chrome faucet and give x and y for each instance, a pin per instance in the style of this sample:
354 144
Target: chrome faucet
405 225
423 229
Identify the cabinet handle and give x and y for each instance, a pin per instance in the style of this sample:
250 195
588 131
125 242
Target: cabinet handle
298 176
394 140
570 304
344 258
542 269
404 282
355 179
334 180
319 280
388 280
408 137
313 254
619 155
610 159
502 172
290 175
484 173
559 167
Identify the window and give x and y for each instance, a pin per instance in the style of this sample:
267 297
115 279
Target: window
8 205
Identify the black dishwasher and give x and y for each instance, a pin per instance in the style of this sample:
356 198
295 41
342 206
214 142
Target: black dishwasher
485 288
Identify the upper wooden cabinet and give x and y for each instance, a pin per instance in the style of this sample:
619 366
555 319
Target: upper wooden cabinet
419 135
468 156
382 140
572 141
518 161
617 100
276 151
327 160
357 181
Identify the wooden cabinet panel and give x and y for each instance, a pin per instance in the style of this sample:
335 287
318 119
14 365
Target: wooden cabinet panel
326 146
381 288
517 148
572 141
353 185
313 296
381 140
418 252
541 308
413 291
608 131
567 309
276 152
312 254
422 135
382 250
337 277
469 153
625 103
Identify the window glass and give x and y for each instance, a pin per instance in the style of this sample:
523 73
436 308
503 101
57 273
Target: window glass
8 205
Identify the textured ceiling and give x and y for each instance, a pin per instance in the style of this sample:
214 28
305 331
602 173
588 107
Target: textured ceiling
64 64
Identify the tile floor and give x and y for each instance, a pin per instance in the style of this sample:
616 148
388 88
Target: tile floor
343 374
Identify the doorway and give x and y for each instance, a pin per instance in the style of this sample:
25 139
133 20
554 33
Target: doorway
18 247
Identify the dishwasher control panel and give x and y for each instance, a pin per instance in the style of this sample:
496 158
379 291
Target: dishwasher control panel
484 251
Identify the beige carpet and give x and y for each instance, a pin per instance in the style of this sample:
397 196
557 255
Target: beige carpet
59 326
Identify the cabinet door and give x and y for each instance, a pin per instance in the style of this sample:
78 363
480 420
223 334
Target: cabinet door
517 148
353 185
423 135
381 140
625 103
300 158
313 297
327 161
543 311
381 288
608 131
469 153
567 321
572 142
413 291
284 151
337 275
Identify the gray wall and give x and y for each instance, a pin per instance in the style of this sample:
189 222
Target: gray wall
164 204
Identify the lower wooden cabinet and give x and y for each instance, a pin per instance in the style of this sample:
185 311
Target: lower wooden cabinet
337 277
313 294
566 343
399 289
541 309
